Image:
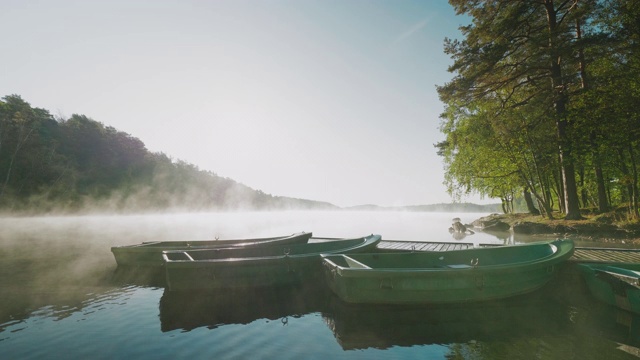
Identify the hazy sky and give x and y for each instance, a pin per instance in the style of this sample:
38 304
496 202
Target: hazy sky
330 100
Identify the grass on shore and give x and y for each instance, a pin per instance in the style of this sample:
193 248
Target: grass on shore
620 217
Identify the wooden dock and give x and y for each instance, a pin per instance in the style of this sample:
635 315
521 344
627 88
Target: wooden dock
608 255
402 245
581 254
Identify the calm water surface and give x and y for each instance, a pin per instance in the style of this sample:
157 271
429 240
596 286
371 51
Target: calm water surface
62 297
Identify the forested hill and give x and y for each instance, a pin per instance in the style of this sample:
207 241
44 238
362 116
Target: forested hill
75 164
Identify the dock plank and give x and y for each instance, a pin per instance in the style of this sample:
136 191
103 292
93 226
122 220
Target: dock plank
431 247
581 254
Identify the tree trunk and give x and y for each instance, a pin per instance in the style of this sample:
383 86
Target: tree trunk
572 205
530 206
603 201
559 191
546 191
626 196
503 202
634 185
543 204
570 193
584 195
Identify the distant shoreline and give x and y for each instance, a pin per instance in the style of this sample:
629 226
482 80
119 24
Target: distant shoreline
105 211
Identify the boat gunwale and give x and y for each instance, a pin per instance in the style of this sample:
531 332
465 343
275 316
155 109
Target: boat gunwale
620 273
152 246
611 284
345 271
366 241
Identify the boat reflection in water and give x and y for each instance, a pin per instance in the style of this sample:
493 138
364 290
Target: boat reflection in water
600 320
531 326
139 276
190 310
382 327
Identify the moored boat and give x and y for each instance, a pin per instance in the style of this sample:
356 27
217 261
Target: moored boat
456 276
614 284
255 267
149 254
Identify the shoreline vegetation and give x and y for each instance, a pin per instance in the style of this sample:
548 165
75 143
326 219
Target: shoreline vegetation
69 165
74 166
77 165
611 227
542 107
541 112
453 208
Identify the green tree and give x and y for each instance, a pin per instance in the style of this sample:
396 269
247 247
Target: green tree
518 53
27 148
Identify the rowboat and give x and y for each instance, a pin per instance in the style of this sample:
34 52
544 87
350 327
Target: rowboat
614 284
149 254
255 267
456 276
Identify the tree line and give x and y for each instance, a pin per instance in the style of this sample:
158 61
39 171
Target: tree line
543 104
74 164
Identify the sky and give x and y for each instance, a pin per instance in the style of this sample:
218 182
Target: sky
328 100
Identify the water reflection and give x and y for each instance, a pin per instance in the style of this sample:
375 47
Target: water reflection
139 276
18 307
601 320
54 275
190 310
521 328
382 327
53 283
531 326
61 269
458 236
506 237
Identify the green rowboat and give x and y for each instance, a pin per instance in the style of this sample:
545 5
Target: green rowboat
255 267
614 284
149 254
457 276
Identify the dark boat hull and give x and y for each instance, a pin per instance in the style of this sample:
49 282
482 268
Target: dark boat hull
614 284
255 267
149 254
444 277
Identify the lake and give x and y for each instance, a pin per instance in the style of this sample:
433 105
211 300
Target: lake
62 297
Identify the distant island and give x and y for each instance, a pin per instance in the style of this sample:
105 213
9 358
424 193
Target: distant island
50 164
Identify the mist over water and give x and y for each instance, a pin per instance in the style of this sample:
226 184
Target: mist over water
59 259
61 295
51 259
102 231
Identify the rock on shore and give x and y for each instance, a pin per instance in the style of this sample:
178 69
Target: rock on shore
492 223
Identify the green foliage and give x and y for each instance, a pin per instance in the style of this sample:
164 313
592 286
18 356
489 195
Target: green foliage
544 98
80 164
